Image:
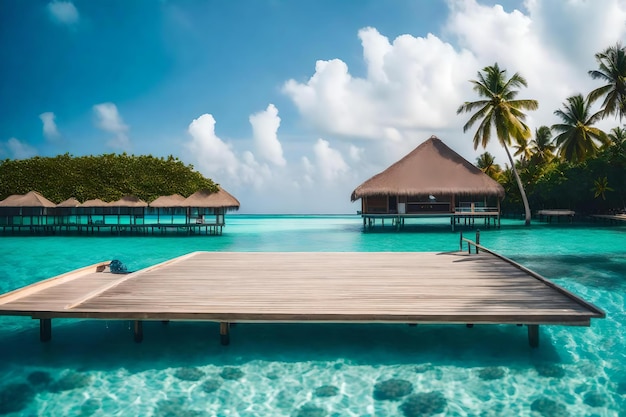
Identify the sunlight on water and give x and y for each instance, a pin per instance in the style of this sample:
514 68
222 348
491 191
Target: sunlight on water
93 368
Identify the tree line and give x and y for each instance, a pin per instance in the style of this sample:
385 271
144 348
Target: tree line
571 164
108 177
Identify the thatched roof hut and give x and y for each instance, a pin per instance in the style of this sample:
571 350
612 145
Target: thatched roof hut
94 203
128 201
430 169
69 203
206 199
174 200
30 199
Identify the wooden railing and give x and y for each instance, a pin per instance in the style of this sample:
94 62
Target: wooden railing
477 246
470 243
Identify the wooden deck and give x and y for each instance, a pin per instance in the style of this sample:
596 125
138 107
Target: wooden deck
611 217
229 287
464 217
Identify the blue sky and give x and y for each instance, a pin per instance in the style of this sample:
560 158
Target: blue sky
288 104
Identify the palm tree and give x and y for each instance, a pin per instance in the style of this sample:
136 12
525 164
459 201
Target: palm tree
616 149
500 110
601 187
577 137
523 149
542 146
487 164
612 70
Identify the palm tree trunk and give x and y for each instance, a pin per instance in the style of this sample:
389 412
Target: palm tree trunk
519 185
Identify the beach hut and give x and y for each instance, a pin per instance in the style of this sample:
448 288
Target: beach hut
30 209
204 206
167 209
431 180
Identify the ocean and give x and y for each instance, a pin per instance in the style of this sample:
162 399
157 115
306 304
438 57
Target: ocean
93 367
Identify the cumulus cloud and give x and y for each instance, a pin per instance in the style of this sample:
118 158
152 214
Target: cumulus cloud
109 120
264 130
211 152
19 150
356 153
412 84
50 130
330 163
63 12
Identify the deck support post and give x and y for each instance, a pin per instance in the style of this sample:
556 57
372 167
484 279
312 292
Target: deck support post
477 239
224 333
45 330
533 335
138 331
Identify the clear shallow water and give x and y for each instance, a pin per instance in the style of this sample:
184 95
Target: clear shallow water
94 368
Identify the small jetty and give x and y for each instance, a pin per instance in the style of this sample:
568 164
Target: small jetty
549 214
613 218
468 287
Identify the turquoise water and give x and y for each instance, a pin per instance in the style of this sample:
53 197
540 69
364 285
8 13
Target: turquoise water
94 367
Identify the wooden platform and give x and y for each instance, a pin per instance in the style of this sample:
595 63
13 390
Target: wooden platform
398 221
229 287
611 217
556 213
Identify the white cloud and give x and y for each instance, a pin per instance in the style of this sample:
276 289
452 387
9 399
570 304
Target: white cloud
412 84
19 150
63 12
50 130
213 155
356 153
109 120
330 163
264 130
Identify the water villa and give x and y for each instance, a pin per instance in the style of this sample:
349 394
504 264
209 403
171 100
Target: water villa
201 213
431 181
468 287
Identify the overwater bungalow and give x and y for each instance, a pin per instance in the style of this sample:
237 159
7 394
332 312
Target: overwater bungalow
30 211
208 209
430 181
202 212
168 210
130 210
67 213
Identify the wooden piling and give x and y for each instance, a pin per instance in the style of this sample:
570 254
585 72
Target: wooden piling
477 239
224 333
533 335
138 331
45 330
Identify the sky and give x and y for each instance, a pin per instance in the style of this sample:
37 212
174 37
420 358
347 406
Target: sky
289 105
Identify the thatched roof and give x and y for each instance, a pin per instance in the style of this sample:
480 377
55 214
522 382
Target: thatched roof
174 200
11 200
30 199
205 198
94 203
431 168
128 201
70 202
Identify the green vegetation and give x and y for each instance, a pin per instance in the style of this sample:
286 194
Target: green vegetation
500 110
107 177
581 168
